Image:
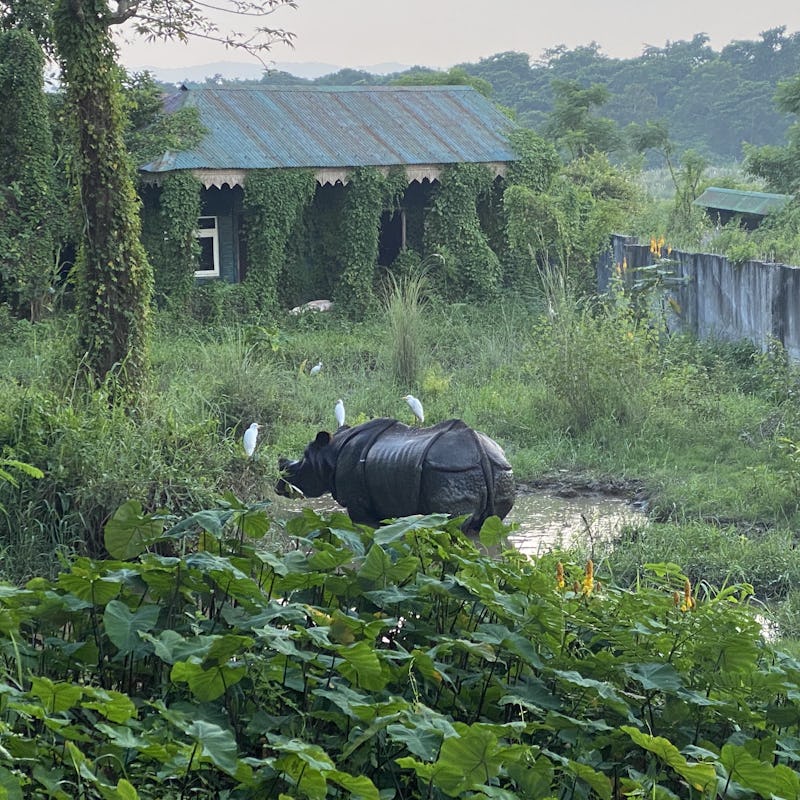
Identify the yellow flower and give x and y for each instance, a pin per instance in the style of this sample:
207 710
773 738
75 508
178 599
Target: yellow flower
661 243
560 582
588 581
688 601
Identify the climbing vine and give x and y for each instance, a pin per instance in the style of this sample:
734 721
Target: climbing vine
114 281
27 198
169 227
469 267
274 201
367 194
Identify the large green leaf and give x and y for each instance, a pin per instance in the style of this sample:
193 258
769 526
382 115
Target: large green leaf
493 532
207 684
601 784
123 626
10 787
129 532
218 744
467 761
404 525
113 705
360 787
759 776
56 697
700 776
94 588
662 677
362 667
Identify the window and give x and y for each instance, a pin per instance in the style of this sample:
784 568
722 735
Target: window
208 238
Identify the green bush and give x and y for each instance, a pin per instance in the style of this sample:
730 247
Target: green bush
402 662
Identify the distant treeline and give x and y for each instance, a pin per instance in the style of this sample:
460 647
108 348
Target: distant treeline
709 101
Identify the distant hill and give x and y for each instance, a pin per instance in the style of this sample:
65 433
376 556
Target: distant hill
234 70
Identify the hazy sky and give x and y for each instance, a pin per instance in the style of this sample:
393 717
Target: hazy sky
440 33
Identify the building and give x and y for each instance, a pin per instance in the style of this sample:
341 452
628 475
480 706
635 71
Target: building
723 205
330 130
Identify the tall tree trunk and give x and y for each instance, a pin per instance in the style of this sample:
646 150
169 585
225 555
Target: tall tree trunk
114 278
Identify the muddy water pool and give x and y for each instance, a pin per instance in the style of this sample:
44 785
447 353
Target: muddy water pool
543 520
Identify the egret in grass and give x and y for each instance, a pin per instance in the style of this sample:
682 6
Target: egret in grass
338 410
415 406
250 438
316 368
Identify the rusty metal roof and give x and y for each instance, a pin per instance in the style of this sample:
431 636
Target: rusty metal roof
741 202
339 127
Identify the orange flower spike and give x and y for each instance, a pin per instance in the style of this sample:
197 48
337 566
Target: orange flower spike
576 587
688 602
560 582
676 598
588 581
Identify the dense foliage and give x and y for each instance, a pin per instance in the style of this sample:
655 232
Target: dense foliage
169 223
27 197
274 202
398 663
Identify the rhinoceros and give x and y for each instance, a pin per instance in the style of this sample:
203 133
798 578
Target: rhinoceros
384 469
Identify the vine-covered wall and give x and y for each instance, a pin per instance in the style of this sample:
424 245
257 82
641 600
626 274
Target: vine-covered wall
302 241
169 220
468 267
274 201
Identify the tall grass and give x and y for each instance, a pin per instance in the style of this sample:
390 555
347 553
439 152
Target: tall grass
562 386
404 304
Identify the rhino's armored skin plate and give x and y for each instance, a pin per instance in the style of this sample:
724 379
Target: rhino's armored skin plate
384 469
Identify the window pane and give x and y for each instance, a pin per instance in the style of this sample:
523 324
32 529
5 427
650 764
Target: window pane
206 262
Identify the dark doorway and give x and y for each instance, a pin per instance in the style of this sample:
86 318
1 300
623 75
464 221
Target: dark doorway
392 236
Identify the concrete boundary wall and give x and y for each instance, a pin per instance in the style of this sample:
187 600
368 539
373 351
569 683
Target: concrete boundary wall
755 301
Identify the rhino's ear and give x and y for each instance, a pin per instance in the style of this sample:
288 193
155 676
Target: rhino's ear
323 439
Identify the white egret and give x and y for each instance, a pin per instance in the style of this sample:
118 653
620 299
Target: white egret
316 368
415 406
249 439
339 412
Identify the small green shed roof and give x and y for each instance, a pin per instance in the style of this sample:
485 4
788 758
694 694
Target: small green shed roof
741 202
333 129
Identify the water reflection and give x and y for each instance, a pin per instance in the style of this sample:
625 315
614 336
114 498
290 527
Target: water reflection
544 521
548 521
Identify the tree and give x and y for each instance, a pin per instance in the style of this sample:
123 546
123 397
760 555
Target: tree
573 124
779 165
114 278
27 252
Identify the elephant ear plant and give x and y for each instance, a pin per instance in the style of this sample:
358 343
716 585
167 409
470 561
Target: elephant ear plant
402 662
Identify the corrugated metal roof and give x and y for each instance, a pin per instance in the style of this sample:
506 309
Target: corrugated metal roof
740 202
336 127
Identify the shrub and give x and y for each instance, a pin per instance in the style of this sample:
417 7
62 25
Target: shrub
400 662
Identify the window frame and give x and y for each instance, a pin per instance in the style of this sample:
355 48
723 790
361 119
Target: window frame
213 234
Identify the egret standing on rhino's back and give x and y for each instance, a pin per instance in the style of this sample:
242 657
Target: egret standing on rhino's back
250 438
415 406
